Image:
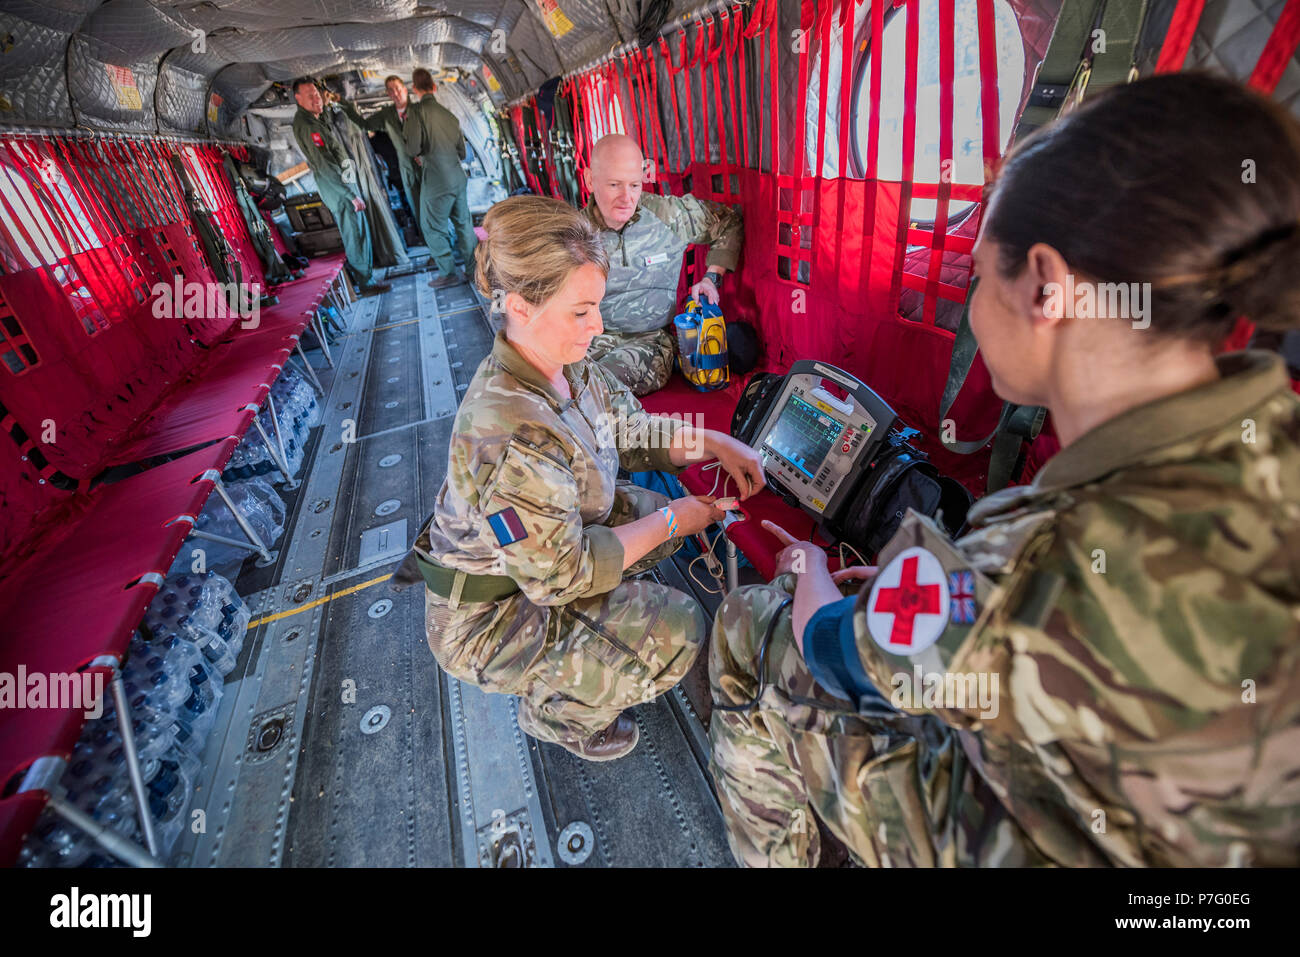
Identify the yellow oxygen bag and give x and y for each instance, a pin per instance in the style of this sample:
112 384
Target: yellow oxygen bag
702 345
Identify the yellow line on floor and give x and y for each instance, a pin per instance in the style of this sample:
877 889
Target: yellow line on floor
319 601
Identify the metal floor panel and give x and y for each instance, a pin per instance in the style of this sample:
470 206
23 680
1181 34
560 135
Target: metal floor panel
372 779
390 477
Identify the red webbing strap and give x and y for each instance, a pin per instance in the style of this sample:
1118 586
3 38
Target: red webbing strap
124 167
579 141
990 116
109 225
848 44
640 85
1278 50
729 31
823 81
130 181
947 55
909 148
109 228
548 149
1178 38
624 78
71 221
106 191
671 73
687 65
871 173
39 249
517 120
74 282
774 72
650 82
541 143
101 184
822 27
170 187
714 56
796 252
744 87
637 95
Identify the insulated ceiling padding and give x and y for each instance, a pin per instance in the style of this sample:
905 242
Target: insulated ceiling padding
33 85
180 98
261 16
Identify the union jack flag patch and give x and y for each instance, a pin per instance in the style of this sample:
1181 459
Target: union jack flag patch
961 586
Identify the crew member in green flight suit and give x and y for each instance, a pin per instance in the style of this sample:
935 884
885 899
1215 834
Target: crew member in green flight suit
336 180
389 120
434 139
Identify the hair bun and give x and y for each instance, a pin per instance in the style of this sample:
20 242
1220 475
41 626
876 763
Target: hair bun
1259 279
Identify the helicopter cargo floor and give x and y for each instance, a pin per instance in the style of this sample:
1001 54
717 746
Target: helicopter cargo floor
339 741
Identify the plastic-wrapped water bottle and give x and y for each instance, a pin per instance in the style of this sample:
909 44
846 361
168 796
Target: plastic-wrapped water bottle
169 791
199 711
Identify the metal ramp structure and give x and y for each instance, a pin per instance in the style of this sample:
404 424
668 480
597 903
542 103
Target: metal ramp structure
340 742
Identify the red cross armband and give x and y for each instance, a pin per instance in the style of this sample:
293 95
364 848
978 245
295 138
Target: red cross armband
924 601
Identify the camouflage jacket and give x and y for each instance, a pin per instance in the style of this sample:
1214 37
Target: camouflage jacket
1136 614
432 132
530 477
645 256
331 163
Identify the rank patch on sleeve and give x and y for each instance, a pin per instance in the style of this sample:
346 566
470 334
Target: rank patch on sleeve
507 527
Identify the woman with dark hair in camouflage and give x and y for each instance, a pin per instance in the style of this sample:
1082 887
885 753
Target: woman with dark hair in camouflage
527 549
1105 669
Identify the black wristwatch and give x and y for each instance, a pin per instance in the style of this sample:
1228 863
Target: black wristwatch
715 278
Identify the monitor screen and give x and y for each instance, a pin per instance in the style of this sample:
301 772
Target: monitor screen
803 435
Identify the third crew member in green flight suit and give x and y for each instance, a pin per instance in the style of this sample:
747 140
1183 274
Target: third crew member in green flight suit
389 120
433 137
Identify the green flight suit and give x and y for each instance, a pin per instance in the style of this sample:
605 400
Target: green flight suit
433 134
336 181
387 121
386 244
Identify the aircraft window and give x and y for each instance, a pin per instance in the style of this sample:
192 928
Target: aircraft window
34 221
968 154
207 190
603 112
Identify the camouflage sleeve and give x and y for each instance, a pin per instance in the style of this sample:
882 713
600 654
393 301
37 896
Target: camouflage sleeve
531 517
704 221
644 441
1091 652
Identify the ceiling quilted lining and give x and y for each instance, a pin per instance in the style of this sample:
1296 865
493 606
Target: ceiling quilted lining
194 66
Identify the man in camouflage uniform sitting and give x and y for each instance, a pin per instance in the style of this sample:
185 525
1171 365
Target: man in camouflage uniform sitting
645 236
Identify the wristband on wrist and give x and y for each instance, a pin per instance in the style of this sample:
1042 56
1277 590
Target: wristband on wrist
667 513
714 277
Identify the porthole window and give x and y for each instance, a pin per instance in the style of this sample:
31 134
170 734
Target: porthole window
968 153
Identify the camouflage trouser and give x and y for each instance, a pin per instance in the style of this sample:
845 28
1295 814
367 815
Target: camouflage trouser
894 788
575 666
641 360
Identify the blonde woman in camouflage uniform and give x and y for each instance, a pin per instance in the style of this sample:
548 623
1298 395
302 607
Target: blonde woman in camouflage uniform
526 552
1106 670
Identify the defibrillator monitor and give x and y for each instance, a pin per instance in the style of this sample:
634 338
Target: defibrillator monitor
819 434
